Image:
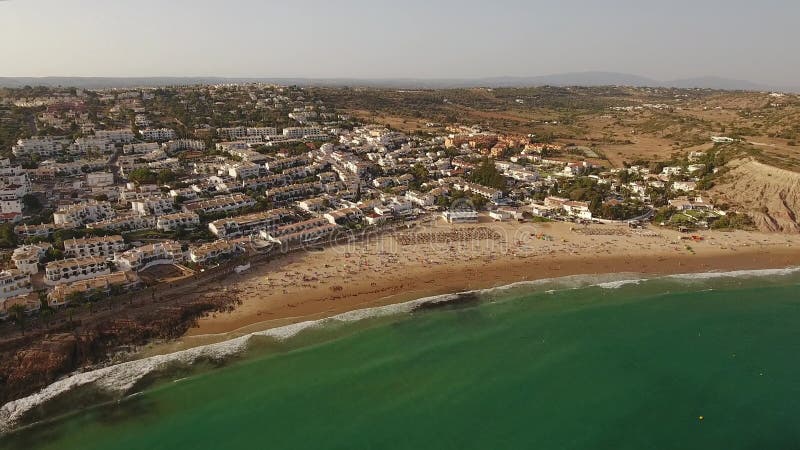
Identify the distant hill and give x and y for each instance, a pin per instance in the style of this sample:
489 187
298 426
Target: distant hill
720 83
561 79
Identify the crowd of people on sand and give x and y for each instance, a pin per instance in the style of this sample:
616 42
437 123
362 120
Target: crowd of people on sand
596 231
446 237
370 265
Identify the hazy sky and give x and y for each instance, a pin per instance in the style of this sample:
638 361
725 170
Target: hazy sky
754 40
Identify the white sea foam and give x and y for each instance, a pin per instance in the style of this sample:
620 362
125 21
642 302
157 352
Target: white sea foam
619 284
758 273
122 377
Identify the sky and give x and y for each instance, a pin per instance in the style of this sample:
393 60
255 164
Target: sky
664 40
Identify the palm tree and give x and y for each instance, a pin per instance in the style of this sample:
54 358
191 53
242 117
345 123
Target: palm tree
70 312
17 314
47 316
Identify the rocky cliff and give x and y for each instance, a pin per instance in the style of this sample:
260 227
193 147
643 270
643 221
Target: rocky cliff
31 362
769 195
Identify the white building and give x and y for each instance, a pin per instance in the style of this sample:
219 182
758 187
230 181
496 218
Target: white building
140 148
129 222
243 170
460 216
221 204
73 269
684 186
92 145
249 224
83 213
141 258
14 283
214 250
26 258
264 132
153 206
171 222
301 132
578 209
158 134
117 136
41 147
103 246
183 144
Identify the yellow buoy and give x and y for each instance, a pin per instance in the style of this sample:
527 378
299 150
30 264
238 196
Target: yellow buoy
701 418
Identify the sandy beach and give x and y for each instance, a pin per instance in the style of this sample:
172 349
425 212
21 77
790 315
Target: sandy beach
440 258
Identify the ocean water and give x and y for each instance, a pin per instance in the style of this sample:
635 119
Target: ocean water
706 362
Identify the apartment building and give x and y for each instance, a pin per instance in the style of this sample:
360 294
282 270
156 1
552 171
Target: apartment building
146 256
178 145
314 205
214 250
483 191
264 132
221 204
247 155
153 206
232 133
294 192
74 269
243 170
116 136
285 163
171 222
300 232
90 144
140 148
248 224
14 283
40 147
578 209
26 258
158 134
129 222
102 284
344 215
302 132
266 182
44 230
94 246
183 193
83 213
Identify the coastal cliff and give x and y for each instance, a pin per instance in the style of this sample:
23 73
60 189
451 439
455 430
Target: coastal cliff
40 357
770 195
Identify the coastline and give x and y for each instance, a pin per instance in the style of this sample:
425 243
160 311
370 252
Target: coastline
120 379
300 287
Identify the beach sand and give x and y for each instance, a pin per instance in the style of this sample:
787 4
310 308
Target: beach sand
315 284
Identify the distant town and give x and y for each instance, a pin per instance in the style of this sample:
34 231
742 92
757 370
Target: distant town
113 190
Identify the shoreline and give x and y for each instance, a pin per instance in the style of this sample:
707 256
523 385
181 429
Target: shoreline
386 274
120 378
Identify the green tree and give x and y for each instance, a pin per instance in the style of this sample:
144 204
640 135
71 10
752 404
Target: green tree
166 176
8 239
487 174
17 313
31 203
143 176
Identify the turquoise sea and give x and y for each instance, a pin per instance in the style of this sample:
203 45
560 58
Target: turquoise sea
670 363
